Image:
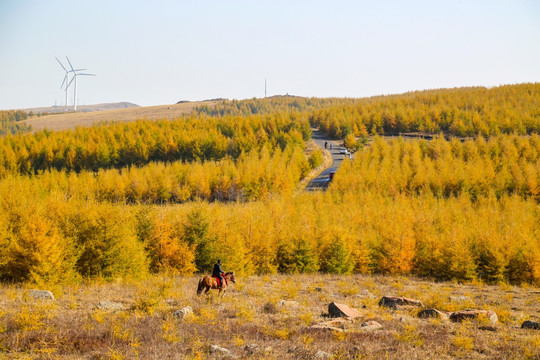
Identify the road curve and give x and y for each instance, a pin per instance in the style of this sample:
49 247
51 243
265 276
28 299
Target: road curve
321 182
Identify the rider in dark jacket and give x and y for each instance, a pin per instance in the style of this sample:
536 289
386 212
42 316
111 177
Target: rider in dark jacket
218 272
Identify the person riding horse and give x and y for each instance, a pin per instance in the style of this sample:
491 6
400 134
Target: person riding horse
218 272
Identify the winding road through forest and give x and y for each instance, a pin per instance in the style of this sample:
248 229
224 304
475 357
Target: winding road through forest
321 182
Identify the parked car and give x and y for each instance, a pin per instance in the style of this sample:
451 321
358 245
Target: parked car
343 151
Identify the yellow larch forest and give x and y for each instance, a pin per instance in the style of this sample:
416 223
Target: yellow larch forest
172 196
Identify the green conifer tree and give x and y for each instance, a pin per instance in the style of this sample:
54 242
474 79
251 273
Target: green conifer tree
305 257
197 233
336 258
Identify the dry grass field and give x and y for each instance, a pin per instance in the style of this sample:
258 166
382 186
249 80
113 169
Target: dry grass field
72 120
253 322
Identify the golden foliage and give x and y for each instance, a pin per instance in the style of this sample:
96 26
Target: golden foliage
460 112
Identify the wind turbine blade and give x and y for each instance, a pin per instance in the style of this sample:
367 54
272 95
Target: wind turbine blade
63 82
70 64
73 78
60 64
78 70
86 74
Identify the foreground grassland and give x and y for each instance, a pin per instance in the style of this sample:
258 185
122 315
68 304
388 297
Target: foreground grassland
250 322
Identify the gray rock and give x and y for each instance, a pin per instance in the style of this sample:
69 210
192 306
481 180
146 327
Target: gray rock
252 349
338 325
171 302
460 299
531 325
432 313
214 349
393 302
41 294
462 315
182 313
342 310
110 306
366 294
322 355
288 304
370 326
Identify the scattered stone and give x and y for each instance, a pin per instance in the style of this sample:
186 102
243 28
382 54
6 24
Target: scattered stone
270 308
110 306
322 355
459 316
171 302
488 328
318 289
41 294
338 325
393 302
342 310
366 294
182 313
432 313
531 325
252 349
460 299
214 349
371 326
288 303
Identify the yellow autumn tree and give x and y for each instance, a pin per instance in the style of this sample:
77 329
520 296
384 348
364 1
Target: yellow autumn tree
167 252
39 254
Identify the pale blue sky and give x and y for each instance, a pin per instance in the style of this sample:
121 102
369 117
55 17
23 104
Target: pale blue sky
159 52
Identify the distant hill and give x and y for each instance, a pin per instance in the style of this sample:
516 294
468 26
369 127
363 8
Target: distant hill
92 114
82 108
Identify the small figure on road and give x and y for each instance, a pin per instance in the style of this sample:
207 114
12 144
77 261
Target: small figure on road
330 146
326 144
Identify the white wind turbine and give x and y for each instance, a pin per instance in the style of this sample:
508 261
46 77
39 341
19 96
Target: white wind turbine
75 75
66 79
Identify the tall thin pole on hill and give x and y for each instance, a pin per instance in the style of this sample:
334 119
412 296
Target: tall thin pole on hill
264 87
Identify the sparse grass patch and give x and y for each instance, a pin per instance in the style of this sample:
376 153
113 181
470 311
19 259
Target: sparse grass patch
306 317
169 331
32 317
289 289
340 335
346 288
244 312
410 335
463 339
149 298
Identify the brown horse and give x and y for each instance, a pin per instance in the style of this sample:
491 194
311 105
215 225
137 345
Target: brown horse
208 282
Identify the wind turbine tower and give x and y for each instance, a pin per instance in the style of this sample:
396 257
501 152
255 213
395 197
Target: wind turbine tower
66 79
75 75
264 88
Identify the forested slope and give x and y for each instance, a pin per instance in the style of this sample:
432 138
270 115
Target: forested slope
133 199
